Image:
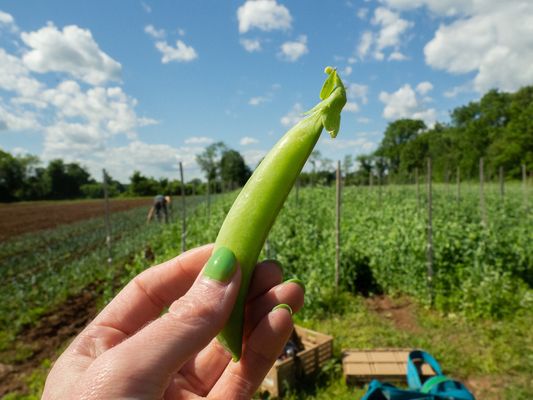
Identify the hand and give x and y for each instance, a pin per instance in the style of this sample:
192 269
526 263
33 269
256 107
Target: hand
130 350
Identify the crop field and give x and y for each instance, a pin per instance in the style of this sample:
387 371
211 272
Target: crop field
474 315
19 218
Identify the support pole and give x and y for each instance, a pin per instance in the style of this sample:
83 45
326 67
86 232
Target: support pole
107 219
430 235
183 213
338 227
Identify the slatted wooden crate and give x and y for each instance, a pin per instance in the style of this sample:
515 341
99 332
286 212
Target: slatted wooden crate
318 349
388 365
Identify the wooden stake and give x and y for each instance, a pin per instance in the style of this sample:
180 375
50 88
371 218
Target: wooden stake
107 219
458 186
183 212
482 194
338 227
417 190
430 235
502 189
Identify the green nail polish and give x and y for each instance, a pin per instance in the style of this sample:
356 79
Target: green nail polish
284 306
297 281
221 265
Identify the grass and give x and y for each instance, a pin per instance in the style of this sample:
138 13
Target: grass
492 357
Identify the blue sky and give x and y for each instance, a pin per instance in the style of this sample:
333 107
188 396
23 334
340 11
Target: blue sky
144 84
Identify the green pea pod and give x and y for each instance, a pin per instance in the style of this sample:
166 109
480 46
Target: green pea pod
253 213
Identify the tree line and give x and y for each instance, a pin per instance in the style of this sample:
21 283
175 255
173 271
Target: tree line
24 177
497 128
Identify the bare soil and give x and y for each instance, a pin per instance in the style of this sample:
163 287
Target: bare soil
401 312
19 218
47 337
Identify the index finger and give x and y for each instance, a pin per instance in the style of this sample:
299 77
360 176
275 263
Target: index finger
146 295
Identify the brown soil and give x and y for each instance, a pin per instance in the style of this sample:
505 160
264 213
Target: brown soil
19 218
401 312
47 337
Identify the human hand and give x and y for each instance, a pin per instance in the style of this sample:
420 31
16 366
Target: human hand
130 350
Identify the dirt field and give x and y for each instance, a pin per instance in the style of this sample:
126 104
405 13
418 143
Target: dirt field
19 218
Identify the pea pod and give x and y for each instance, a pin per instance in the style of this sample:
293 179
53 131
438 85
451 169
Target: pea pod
253 213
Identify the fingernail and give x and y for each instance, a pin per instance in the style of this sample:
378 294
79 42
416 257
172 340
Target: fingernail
283 306
297 281
271 260
221 265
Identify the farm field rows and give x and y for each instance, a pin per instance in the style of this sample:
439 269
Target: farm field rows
20 218
478 326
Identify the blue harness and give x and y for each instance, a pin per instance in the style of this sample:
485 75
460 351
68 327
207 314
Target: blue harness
438 387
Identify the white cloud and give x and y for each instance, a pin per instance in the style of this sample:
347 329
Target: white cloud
362 13
199 140
392 28
404 103
495 42
364 44
147 9
17 119
294 116
72 51
351 107
424 87
266 15
251 45
253 157
255 101
153 32
247 140
397 56
181 32
346 71
109 110
292 51
358 92
362 145
363 120
443 7
8 21
180 53
15 76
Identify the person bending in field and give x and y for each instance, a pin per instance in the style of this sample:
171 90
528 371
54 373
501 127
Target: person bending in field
159 208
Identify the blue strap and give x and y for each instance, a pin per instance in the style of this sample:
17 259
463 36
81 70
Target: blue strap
385 391
413 377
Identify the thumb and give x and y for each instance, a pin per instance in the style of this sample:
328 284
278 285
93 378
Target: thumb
162 347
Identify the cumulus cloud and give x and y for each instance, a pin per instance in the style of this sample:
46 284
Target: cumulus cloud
424 87
266 15
357 91
294 116
255 101
391 30
15 76
251 45
202 140
247 140
153 32
404 103
495 43
351 107
7 21
17 119
72 51
180 53
361 145
292 51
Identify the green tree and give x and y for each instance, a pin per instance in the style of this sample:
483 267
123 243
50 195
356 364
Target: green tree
11 177
396 136
233 169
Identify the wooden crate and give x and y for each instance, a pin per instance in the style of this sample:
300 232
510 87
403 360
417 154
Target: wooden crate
318 349
388 365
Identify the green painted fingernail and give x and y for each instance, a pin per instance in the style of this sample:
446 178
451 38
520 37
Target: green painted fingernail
221 265
284 306
297 281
